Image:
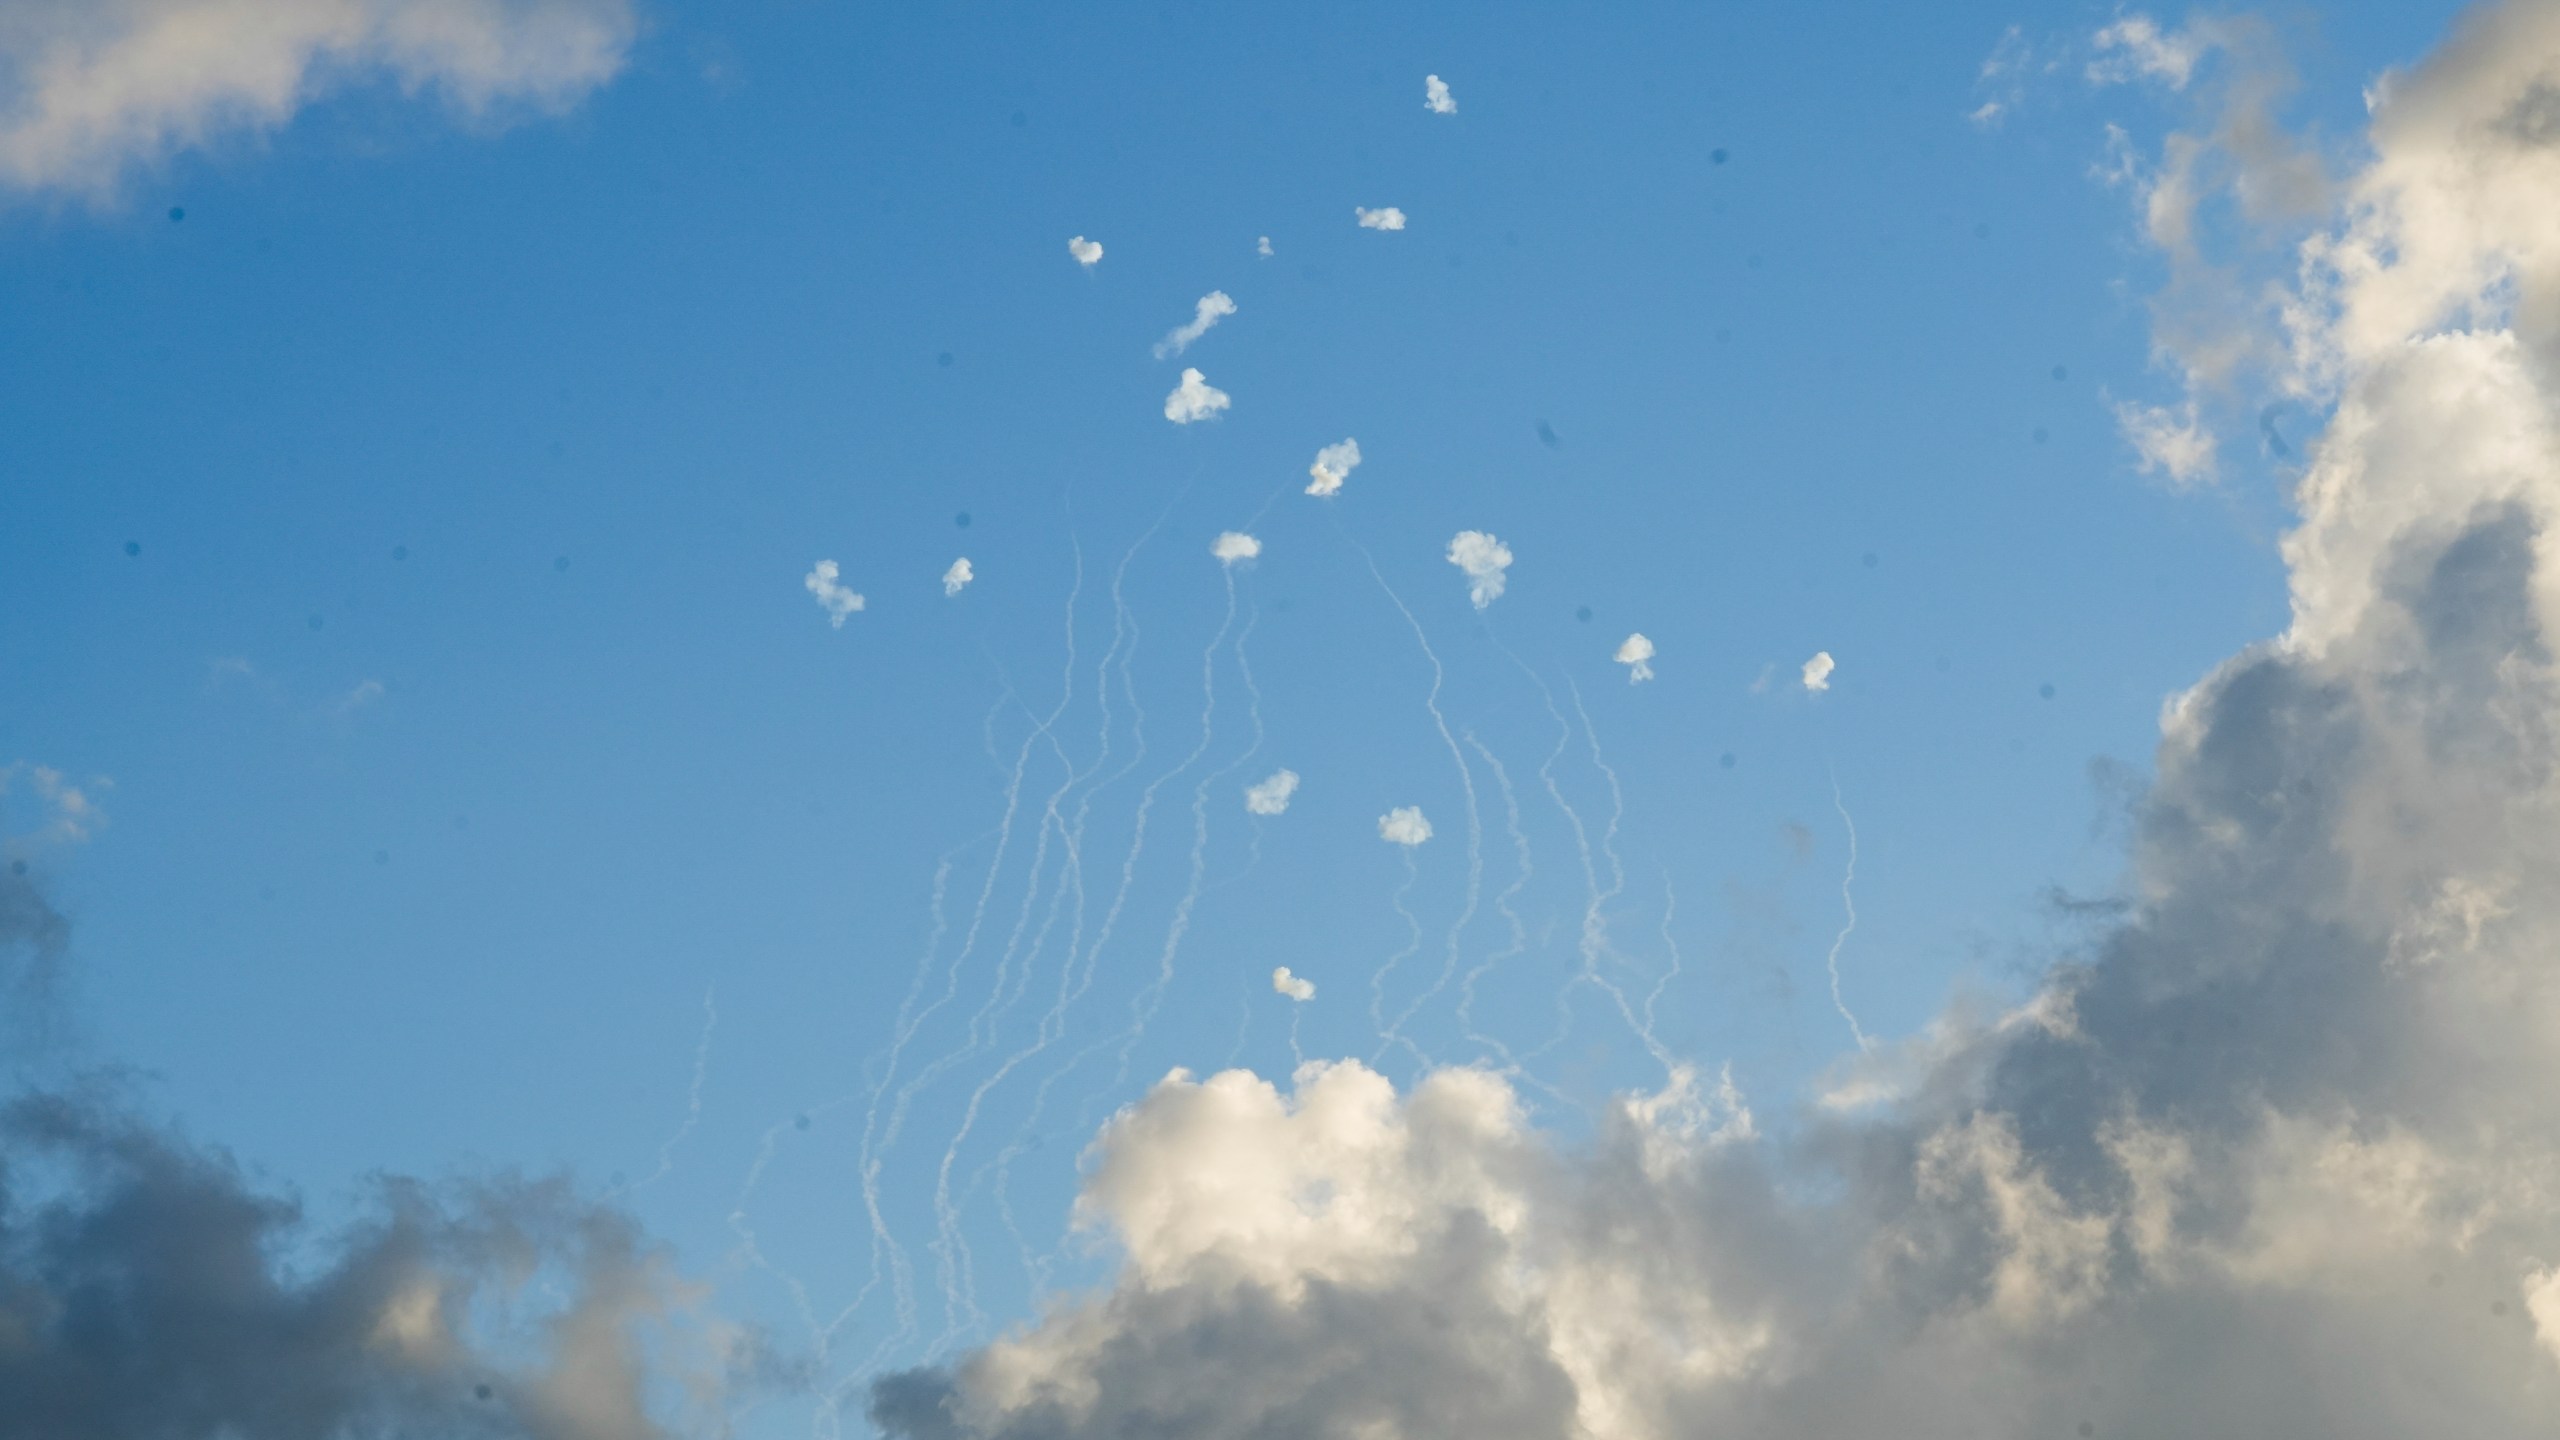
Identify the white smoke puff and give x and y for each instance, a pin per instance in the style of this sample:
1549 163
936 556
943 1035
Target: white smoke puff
2170 442
1088 253
1334 464
1636 653
1404 826
1211 308
1295 987
1234 545
1484 559
1271 796
1817 671
837 600
1262 247
957 578
1194 399
1436 97
1389 218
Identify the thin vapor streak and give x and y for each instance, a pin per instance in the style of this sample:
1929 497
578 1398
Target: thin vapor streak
1849 903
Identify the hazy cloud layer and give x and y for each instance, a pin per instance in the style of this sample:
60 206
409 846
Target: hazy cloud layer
1334 464
2276 1156
89 91
1484 559
1194 399
1211 308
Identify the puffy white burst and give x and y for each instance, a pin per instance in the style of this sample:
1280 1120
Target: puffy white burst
1211 308
1389 218
1234 545
957 578
1404 826
2169 442
1636 653
1436 97
1262 247
1817 671
89 92
836 599
1194 399
1270 795
1334 464
1484 559
1295 987
1088 253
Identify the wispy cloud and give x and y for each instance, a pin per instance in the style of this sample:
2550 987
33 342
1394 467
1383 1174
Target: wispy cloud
1436 97
1484 559
1334 464
1636 653
1270 795
1389 218
2169 442
837 600
2136 47
1211 308
1404 826
1194 399
91 92
70 815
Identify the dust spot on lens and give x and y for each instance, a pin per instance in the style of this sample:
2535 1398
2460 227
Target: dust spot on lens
399 552
381 857
132 548
2061 372
2087 1429
943 359
2042 435
1982 231
2497 1307
1725 760
17 867
1547 436
1582 613
314 621
1718 156
1869 560
961 519
177 213
800 1122
482 1391
560 563
2044 692
1019 120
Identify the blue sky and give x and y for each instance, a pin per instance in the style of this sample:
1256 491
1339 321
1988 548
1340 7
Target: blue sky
403 517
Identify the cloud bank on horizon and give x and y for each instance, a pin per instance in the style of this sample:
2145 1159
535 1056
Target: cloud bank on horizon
2277 1158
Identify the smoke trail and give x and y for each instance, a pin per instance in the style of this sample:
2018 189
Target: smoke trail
1849 903
692 1103
1466 781
1670 947
1387 1037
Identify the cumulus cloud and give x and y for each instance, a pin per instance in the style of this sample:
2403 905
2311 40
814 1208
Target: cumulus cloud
1301 989
90 92
2272 1154
1636 653
1817 671
1404 826
1194 399
1389 218
1334 464
1436 97
1270 795
957 578
2174 443
837 600
1211 308
1484 559
1234 545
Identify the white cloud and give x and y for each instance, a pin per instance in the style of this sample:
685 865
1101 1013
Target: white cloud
1404 826
2170 442
1262 247
1436 97
1988 114
92 91
1234 545
365 693
1088 253
2136 47
1211 308
1389 218
1295 987
1817 671
1484 559
1270 796
957 578
71 817
1194 399
837 600
1636 653
1334 464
